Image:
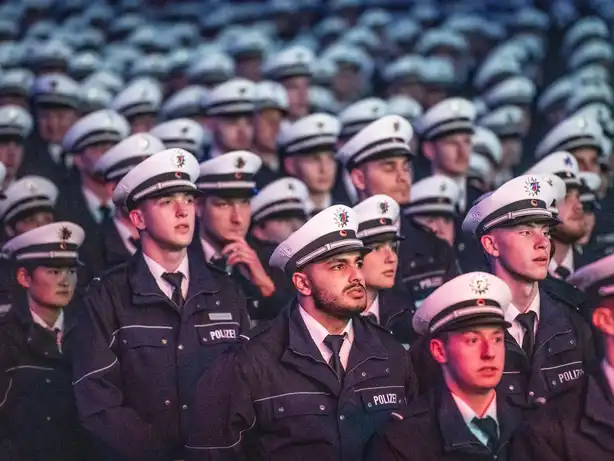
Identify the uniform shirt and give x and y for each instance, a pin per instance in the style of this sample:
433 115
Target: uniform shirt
567 262
608 371
318 333
468 414
157 270
210 252
125 235
55 152
58 325
94 203
373 309
517 330
310 207
462 197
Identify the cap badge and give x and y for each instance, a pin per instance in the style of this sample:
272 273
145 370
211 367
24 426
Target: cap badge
568 161
532 187
13 115
240 163
242 90
443 187
396 126
549 181
179 160
478 285
65 234
454 107
290 186
184 130
53 84
31 187
320 125
341 218
383 206
582 124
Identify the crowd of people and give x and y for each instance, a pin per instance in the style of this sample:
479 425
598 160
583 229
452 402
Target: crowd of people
348 230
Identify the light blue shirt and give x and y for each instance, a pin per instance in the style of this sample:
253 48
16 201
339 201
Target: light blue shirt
468 414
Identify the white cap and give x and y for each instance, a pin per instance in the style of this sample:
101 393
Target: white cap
589 186
504 121
16 82
101 126
526 198
584 95
332 231
473 299
515 90
15 121
406 68
313 133
405 106
27 195
53 244
56 89
449 116
211 69
389 136
439 72
183 133
434 195
165 172
495 66
436 38
185 102
557 92
271 95
143 96
125 155
283 198
377 218
590 27
358 115
294 61
236 96
486 143
322 99
597 277
230 173
591 52
562 164
571 133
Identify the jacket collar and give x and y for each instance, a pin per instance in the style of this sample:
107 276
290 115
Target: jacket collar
392 303
551 321
21 310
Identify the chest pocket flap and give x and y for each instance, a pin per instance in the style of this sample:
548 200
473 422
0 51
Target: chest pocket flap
218 332
299 405
381 398
134 337
561 343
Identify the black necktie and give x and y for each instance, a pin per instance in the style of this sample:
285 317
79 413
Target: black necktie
334 343
489 427
371 317
135 242
175 278
562 272
527 320
105 212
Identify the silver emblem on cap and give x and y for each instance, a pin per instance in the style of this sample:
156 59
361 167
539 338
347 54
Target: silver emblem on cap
478 285
532 187
454 106
143 143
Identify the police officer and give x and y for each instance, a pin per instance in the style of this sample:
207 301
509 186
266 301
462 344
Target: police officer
55 101
578 425
227 185
318 380
307 150
186 134
465 418
38 411
229 108
572 225
272 106
548 343
377 228
139 103
379 161
153 325
15 127
119 239
445 131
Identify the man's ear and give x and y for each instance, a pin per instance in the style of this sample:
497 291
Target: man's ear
489 243
78 161
438 351
23 278
290 166
137 219
603 320
301 283
428 149
359 179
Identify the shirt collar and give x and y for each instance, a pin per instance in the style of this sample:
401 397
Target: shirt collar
94 203
373 308
318 333
124 233
210 251
468 414
157 270
512 311
608 371
567 262
310 206
58 325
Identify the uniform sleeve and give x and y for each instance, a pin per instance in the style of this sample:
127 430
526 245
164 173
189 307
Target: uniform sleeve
536 443
452 267
411 379
381 449
116 428
223 417
6 354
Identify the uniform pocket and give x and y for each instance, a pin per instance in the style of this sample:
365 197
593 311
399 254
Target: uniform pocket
381 398
217 332
293 404
561 377
142 336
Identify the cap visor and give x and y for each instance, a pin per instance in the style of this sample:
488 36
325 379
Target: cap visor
381 238
476 320
229 193
169 191
339 251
